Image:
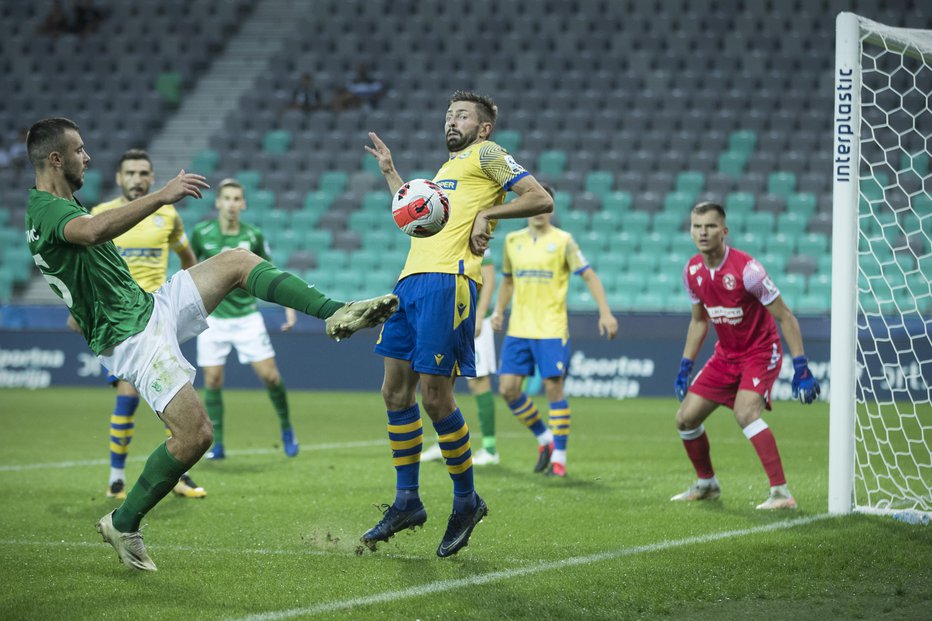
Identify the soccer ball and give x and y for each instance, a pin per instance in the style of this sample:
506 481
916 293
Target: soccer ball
420 208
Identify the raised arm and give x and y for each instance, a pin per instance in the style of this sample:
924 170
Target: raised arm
383 156
94 230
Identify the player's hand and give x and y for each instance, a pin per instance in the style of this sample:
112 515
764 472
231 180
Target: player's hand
183 185
478 328
496 320
608 326
73 325
291 318
480 236
682 380
381 153
805 387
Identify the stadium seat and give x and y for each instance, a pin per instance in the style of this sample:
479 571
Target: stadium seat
635 222
251 180
631 283
670 222
168 85
738 202
573 220
599 182
562 201
792 287
918 162
332 260
205 161
377 201
751 243
645 262
760 223
732 163
588 202
619 201
277 141
625 242
260 200
782 243
783 183
802 203
551 163
607 220
690 182
510 140
678 202
333 181
318 201
812 245
774 263
742 141
610 262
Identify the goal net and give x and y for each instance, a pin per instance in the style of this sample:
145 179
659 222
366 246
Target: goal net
881 413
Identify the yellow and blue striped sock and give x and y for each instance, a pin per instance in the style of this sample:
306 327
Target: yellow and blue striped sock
560 426
526 412
121 434
453 435
406 435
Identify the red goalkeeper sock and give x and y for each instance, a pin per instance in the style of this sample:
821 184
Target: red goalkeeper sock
697 448
766 446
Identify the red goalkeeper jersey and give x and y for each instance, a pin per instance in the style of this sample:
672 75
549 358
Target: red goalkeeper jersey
734 295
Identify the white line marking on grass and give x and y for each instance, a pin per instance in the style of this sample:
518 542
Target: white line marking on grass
233 453
507 574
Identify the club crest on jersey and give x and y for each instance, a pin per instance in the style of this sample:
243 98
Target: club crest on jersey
158 221
551 247
693 269
729 281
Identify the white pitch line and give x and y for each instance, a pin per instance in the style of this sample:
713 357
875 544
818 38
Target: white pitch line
507 574
142 458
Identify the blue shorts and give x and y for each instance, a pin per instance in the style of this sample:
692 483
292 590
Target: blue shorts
519 356
434 327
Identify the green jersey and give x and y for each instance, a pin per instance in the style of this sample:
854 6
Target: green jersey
93 281
208 240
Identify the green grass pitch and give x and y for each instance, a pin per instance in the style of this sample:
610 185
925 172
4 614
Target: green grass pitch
276 538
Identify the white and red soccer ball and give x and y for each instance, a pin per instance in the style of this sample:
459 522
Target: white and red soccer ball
420 208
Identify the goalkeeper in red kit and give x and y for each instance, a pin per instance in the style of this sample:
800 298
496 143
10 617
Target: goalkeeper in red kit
732 291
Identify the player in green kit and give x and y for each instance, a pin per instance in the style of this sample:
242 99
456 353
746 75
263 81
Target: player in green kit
236 322
136 334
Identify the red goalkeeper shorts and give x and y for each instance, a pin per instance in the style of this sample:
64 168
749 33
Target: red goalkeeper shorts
721 379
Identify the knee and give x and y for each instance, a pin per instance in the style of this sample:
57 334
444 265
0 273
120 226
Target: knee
509 391
685 422
272 380
395 398
204 436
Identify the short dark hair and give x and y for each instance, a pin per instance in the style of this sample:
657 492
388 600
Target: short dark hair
133 154
45 137
488 111
707 206
547 187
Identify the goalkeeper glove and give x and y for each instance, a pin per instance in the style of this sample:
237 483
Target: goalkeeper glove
682 380
805 386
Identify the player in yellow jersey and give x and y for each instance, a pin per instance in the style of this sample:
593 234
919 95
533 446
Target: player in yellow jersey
536 266
430 338
145 249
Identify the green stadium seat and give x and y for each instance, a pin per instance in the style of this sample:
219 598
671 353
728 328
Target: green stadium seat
666 284
333 181
365 260
819 283
631 282
644 262
871 189
314 239
760 222
782 244
792 287
812 245
362 220
508 139
775 264
619 201
635 222
918 162
825 265
260 200
380 239
650 301
732 163
742 141
607 220
669 222
690 181
918 284
600 182
273 220
625 242
251 180
276 141
802 203
574 220
738 202
551 163
420 174
782 183
562 202
737 222
673 262
306 220
792 224
168 85
751 243
319 201
656 242
205 161
678 202
377 201
90 191
594 241
610 262
332 259
814 303
369 164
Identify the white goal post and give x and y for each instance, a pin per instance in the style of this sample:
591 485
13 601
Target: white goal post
880 445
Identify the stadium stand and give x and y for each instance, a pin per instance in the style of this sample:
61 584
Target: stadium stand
629 109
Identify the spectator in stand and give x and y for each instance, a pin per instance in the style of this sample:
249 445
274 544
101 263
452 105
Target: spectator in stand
360 90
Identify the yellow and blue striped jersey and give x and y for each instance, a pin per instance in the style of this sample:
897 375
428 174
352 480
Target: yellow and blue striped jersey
145 246
474 179
540 268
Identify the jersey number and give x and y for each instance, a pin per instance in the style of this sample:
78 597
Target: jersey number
56 283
